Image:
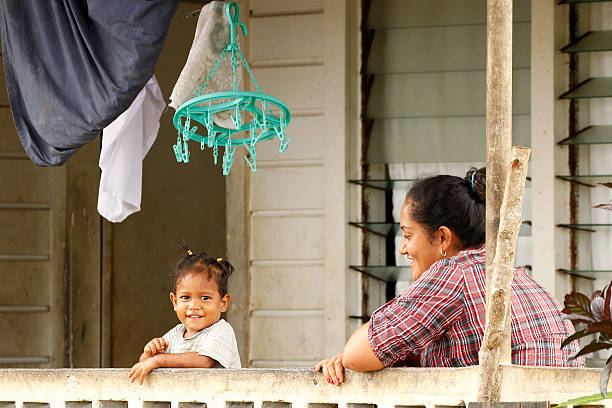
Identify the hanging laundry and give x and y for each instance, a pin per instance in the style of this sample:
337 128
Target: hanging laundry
125 143
212 35
73 66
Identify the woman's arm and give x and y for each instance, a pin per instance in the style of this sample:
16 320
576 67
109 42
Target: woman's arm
358 354
178 360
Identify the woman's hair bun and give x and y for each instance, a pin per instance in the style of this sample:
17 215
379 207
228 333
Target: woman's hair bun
477 183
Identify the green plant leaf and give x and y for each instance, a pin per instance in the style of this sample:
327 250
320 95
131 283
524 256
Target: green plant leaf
590 348
583 400
577 303
575 336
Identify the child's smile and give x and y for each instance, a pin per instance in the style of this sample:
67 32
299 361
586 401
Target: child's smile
198 303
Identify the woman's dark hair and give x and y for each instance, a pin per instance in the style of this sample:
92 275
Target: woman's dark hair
213 268
457 203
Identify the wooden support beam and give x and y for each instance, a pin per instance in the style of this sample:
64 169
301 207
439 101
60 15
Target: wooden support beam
498 123
502 273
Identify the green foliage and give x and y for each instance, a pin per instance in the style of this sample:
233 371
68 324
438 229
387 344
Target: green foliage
587 399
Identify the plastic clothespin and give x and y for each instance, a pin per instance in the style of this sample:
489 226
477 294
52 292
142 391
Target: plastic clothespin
215 153
178 149
253 162
185 154
228 158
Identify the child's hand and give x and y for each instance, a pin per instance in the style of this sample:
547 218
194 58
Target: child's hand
156 346
333 370
141 369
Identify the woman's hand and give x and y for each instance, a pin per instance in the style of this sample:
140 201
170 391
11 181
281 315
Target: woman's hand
140 370
333 370
156 346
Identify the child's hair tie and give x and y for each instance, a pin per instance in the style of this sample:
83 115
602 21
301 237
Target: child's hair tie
219 259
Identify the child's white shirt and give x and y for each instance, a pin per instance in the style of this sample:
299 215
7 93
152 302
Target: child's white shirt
217 342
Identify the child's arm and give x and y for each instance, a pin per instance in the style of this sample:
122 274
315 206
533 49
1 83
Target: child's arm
178 360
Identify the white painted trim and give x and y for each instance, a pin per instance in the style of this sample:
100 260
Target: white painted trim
543 142
285 12
335 191
306 112
24 206
13 155
288 262
24 309
289 163
24 360
290 62
24 257
275 314
287 213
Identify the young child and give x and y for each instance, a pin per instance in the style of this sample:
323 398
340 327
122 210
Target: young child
202 339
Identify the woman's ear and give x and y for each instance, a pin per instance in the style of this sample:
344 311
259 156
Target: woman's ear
446 238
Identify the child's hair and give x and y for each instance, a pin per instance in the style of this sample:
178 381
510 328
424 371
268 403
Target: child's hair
218 268
458 203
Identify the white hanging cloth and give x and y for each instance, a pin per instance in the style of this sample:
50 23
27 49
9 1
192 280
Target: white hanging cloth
125 143
212 35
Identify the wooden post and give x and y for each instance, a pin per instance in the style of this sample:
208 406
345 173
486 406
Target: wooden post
498 310
498 124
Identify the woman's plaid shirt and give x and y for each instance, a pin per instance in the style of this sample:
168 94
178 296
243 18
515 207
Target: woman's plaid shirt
441 317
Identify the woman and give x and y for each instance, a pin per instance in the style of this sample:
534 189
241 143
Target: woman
439 320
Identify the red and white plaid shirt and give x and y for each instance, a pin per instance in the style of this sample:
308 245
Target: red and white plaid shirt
441 317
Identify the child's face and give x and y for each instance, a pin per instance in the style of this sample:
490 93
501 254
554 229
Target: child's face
198 303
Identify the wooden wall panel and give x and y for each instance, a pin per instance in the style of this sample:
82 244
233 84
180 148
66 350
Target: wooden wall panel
284 336
286 237
439 49
298 87
302 283
24 182
25 283
287 187
439 94
25 232
25 334
9 141
276 7
400 13
308 142
286 37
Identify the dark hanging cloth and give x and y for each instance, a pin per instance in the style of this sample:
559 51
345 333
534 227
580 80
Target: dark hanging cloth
73 66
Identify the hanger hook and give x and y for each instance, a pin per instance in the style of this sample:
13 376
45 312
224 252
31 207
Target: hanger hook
233 12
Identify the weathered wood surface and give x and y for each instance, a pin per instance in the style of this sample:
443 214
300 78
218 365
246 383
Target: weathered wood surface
528 404
496 339
498 122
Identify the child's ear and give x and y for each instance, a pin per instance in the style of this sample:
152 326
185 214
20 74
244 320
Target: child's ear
173 300
225 301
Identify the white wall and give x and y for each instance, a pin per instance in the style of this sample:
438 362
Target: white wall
294 234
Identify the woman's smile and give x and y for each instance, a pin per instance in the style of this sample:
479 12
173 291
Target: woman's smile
422 248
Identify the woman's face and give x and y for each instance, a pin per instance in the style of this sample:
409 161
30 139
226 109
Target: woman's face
418 244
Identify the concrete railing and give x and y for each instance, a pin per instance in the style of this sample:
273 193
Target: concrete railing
283 388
